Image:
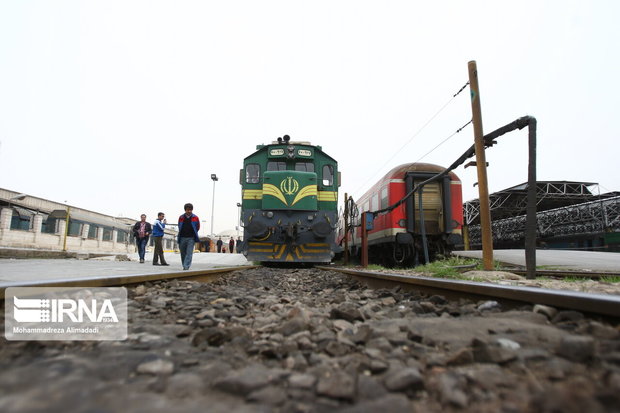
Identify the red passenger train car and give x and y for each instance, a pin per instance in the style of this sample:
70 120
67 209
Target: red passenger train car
396 237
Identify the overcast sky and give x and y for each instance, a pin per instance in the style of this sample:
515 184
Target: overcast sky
124 107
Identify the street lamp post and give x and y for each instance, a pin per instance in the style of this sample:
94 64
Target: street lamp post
238 218
214 178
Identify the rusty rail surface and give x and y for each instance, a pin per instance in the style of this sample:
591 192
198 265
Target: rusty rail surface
119 280
601 304
564 273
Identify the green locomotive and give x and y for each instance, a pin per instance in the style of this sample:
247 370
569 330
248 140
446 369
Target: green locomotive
290 197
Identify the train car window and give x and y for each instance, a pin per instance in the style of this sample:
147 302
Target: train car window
375 202
252 173
328 175
276 166
384 198
304 166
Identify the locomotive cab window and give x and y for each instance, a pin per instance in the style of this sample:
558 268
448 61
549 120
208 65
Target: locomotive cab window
252 173
276 166
328 175
304 166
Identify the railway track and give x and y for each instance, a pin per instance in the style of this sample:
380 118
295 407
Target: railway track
310 340
600 304
564 273
123 280
606 305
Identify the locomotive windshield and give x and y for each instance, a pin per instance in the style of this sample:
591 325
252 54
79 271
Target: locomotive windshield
304 166
276 166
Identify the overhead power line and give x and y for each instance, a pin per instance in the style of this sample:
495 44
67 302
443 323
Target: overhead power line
414 136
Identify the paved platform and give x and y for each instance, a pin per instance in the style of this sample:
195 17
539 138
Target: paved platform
18 270
560 259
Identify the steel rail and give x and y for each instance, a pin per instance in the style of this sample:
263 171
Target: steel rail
608 305
118 280
564 273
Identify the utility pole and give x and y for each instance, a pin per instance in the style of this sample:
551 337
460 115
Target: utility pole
481 165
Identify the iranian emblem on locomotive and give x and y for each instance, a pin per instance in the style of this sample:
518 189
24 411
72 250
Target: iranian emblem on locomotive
289 185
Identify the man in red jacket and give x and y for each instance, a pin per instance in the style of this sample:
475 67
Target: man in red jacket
189 225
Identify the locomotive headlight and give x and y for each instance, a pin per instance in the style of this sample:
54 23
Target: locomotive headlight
402 223
310 217
269 214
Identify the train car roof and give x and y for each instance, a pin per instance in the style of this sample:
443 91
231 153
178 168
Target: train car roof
400 171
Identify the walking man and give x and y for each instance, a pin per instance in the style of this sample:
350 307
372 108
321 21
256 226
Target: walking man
158 235
219 244
141 232
231 245
189 224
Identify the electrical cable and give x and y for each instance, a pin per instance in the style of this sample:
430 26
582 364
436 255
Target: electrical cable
413 137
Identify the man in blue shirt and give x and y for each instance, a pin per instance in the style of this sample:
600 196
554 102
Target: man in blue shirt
158 235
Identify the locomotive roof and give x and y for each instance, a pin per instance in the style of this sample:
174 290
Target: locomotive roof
263 147
292 143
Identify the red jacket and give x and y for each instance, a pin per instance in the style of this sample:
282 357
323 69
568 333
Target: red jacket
194 220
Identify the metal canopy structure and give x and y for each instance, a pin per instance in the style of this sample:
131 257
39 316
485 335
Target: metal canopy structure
564 209
512 202
594 217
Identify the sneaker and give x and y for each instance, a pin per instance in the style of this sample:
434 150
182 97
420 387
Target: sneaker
156 263
141 261
165 263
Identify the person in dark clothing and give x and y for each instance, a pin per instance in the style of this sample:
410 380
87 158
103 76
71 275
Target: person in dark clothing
238 245
141 232
231 245
219 244
189 225
158 236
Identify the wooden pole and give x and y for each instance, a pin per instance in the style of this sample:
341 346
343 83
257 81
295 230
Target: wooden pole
346 229
466 237
364 241
481 164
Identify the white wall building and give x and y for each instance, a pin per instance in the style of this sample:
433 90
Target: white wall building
35 223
